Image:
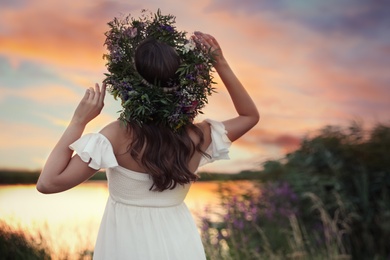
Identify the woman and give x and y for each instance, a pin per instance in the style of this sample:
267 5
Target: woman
150 166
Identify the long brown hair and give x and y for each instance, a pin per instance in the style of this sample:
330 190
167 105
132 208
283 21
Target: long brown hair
165 154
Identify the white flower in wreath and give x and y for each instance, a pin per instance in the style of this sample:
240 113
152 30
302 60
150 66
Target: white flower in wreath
189 46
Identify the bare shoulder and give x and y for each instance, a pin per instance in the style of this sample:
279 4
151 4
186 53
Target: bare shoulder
204 126
117 133
112 128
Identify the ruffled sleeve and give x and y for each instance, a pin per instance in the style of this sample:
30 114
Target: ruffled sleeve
96 149
220 143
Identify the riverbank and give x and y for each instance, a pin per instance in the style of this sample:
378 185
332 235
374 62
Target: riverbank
31 177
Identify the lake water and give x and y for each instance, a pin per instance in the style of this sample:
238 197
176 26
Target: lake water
68 222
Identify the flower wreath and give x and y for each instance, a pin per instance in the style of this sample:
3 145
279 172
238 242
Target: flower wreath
143 102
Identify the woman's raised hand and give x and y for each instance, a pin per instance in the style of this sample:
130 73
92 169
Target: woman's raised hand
211 43
91 105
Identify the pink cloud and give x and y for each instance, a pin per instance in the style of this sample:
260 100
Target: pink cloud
287 142
57 33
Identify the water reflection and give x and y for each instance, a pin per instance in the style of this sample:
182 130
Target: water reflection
69 221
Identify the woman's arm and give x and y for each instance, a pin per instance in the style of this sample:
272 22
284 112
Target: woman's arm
248 115
62 171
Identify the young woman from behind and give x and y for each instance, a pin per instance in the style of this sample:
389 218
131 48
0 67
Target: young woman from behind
150 166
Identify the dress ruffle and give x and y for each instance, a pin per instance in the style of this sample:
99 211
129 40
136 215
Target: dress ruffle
220 143
96 150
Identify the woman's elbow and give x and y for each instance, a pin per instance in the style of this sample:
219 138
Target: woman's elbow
43 188
255 118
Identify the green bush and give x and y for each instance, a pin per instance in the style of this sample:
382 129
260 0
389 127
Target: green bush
354 164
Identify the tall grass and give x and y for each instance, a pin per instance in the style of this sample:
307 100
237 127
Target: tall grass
18 243
267 225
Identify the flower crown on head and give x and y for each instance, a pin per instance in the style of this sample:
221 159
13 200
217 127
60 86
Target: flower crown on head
171 106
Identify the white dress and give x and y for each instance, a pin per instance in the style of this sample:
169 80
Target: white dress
138 223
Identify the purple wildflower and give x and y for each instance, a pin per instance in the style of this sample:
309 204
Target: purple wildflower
199 67
238 224
117 53
278 201
167 28
205 225
270 211
131 32
190 77
284 190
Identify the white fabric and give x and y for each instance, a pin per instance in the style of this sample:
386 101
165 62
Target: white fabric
220 143
143 224
96 149
139 223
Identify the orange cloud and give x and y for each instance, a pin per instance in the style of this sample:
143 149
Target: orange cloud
51 95
44 33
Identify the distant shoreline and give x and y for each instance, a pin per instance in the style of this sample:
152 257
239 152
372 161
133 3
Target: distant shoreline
9 177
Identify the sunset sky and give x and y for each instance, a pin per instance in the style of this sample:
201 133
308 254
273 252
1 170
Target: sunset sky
306 64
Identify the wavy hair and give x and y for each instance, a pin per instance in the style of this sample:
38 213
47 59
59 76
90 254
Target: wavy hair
165 154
